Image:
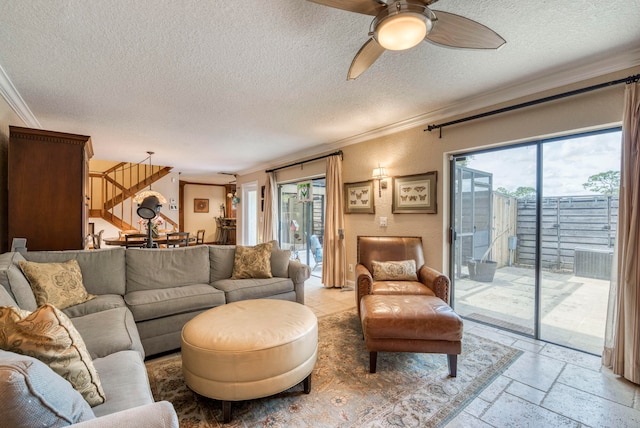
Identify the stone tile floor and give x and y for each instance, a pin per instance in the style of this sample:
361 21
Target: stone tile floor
547 386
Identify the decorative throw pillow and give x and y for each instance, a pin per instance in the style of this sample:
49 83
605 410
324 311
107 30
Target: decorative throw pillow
48 335
59 284
252 262
34 396
404 270
280 262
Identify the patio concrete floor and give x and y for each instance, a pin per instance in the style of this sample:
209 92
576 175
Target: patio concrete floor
573 312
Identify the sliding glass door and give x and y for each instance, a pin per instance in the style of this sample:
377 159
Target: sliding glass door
580 179
533 230
301 225
489 286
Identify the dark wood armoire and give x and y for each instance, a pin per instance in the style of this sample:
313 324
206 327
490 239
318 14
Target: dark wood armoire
48 188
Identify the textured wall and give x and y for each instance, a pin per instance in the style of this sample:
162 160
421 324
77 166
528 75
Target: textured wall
194 221
415 151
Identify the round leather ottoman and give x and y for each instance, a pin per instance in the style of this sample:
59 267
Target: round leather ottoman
249 349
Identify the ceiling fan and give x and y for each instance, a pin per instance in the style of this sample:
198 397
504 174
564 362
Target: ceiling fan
400 25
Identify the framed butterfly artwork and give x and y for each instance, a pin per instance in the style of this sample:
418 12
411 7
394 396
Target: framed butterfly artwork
358 198
415 194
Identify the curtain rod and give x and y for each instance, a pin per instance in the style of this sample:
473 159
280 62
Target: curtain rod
630 79
338 153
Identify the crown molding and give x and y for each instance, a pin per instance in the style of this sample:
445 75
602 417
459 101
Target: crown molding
554 79
576 72
16 102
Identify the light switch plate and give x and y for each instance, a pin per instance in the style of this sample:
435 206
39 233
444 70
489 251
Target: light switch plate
383 222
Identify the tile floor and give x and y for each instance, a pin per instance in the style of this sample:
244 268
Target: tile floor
547 386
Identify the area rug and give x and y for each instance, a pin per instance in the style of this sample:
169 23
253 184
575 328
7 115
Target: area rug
408 390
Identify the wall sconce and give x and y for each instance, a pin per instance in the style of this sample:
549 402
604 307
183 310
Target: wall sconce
378 174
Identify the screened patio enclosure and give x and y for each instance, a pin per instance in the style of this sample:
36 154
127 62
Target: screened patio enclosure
473 212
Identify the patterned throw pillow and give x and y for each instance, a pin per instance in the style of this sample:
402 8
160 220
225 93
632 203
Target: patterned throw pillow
59 284
252 262
404 270
48 335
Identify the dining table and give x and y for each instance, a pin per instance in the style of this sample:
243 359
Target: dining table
160 240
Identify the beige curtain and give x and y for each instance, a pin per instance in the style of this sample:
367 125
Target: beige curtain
270 221
622 335
333 256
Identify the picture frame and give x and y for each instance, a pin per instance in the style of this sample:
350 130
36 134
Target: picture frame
415 194
359 198
201 205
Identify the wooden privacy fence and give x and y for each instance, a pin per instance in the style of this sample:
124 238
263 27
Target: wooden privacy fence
504 222
578 233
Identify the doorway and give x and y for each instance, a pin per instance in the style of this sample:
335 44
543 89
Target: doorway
250 213
533 228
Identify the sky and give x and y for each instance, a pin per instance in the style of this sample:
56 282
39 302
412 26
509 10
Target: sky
567 164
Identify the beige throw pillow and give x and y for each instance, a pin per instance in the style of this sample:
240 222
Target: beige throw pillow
252 262
48 335
280 262
404 270
59 284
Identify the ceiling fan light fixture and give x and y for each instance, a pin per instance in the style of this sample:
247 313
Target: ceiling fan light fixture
402 31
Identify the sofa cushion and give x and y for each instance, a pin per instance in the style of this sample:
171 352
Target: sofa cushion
151 304
6 299
32 395
252 262
101 302
110 331
280 262
103 270
152 269
15 282
404 270
126 384
59 284
254 288
221 259
48 335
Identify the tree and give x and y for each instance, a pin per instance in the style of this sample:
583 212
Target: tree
604 183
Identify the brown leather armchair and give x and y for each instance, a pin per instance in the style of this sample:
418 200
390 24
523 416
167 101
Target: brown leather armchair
395 248
404 315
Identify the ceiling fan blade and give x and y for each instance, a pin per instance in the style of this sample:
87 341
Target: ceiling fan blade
368 7
367 55
459 32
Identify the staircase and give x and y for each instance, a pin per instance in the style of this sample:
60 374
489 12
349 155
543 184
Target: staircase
111 192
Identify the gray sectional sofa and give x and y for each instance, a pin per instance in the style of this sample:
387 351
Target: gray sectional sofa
144 298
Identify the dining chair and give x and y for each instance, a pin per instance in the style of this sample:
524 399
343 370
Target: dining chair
177 239
135 240
96 238
200 237
218 239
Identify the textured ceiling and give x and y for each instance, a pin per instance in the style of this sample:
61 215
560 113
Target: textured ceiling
215 86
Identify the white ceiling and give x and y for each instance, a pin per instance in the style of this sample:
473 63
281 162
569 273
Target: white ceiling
239 86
